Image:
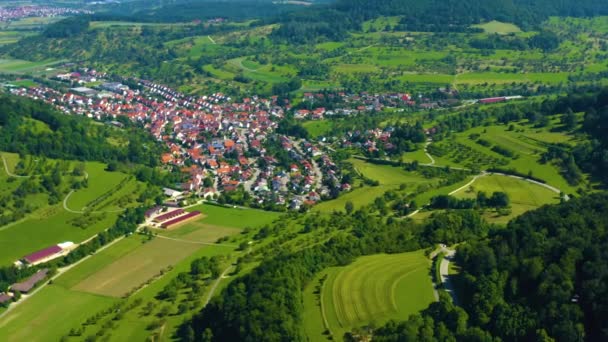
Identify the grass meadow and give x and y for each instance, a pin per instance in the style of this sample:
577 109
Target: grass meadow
51 224
373 289
524 195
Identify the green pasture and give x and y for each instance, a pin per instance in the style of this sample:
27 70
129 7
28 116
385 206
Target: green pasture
318 128
524 196
375 289
495 26
50 225
359 197
390 178
386 174
136 267
528 143
354 68
50 314
234 217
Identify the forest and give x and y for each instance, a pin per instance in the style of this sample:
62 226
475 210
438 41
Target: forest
266 305
334 21
541 279
68 137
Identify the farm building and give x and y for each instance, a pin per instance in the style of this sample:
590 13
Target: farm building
181 219
168 216
172 193
47 254
152 211
28 285
4 298
492 100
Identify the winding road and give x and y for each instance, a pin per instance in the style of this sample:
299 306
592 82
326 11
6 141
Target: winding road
444 271
8 172
428 154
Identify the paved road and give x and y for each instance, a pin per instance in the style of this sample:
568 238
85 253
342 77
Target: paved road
444 272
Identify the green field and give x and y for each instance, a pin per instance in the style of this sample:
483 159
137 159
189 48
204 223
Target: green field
20 66
373 289
498 27
526 142
50 314
52 224
390 178
318 128
92 286
524 195
233 217
137 267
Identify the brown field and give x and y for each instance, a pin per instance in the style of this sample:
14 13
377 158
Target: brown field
147 260
137 267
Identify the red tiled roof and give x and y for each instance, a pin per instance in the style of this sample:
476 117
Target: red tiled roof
42 254
169 215
180 219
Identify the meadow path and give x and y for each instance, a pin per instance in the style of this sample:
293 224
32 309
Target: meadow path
8 172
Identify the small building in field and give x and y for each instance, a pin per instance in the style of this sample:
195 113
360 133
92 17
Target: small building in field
28 285
5 298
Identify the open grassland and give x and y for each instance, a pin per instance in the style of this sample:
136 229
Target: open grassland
44 317
16 66
134 325
386 174
389 177
359 197
234 217
524 195
50 314
525 142
52 224
375 289
495 26
106 24
318 128
100 182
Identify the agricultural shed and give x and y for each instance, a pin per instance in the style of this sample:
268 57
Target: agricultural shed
28 285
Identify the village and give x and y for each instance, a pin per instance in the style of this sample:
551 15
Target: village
220 145
19 12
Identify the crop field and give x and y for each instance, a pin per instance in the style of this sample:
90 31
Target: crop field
93 285
524 195
135 268
375 289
